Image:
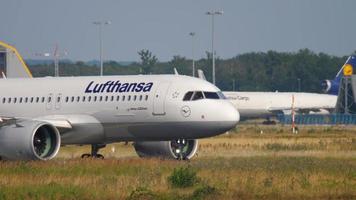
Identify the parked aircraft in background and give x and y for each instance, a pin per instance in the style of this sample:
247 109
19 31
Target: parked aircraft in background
163 114
332 86
269 104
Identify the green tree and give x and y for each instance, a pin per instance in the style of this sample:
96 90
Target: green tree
148 60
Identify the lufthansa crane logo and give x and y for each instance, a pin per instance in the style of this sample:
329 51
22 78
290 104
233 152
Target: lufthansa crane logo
348 70
185 110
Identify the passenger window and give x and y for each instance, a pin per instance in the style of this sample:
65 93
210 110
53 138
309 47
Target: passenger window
129 98
197 96
211 95
89 98
72 98
146 97
106 98
20 101
67 99
31 100
15 99
123 98
78 98
9 100
58 99
112 98
3 100
187 96
117 98
95 97
37 99
140 97
100 98
43 99
26 100
83 99
135 97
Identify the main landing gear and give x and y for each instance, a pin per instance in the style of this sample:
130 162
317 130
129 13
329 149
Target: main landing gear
94 151
269 122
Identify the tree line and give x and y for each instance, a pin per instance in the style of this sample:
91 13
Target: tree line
256 71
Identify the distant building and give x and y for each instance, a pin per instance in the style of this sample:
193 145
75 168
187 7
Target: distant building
11 63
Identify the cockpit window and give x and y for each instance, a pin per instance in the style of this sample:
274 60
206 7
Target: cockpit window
221 95
198 95
211 95
188 96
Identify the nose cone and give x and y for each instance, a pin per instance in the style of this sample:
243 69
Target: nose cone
230 116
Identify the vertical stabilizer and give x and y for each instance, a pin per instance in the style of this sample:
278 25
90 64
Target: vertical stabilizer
332 86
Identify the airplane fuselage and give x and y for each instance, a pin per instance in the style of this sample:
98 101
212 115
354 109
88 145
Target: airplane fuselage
118 108
267 104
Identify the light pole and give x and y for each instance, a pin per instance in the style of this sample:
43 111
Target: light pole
193 61
56 57
213 13
100 24
299 84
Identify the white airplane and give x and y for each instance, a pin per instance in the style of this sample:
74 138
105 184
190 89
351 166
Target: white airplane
162 114
269 104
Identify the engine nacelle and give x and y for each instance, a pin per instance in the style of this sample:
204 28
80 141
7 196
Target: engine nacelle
175 149
326 86
330 86
29 140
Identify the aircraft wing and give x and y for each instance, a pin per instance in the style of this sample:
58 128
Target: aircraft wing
302 110
60 123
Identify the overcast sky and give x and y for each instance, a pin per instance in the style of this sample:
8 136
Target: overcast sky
163 27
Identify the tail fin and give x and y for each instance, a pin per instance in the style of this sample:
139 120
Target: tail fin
332 86
11 62
349 64
201 74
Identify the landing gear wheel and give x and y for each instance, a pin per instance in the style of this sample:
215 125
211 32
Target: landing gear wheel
94 152
180 149
269 122
86 155
99 156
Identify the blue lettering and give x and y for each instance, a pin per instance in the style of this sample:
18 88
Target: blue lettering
123 87
116 86
148 87
139 87
88 90
131 87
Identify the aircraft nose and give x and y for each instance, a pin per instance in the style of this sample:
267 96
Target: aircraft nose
231 116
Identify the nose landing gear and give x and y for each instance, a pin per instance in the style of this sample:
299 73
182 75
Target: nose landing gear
180 149
94 151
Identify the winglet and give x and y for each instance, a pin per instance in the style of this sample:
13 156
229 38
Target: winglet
175 71
201 74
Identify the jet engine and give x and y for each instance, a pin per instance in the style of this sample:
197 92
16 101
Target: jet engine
180 149
29 140
330 86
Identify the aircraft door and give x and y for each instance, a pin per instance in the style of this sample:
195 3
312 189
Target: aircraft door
49 101
58 101
159 98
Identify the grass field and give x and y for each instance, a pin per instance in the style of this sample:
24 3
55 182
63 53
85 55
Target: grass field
250 162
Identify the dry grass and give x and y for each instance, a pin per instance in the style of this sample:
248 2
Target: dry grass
318 163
